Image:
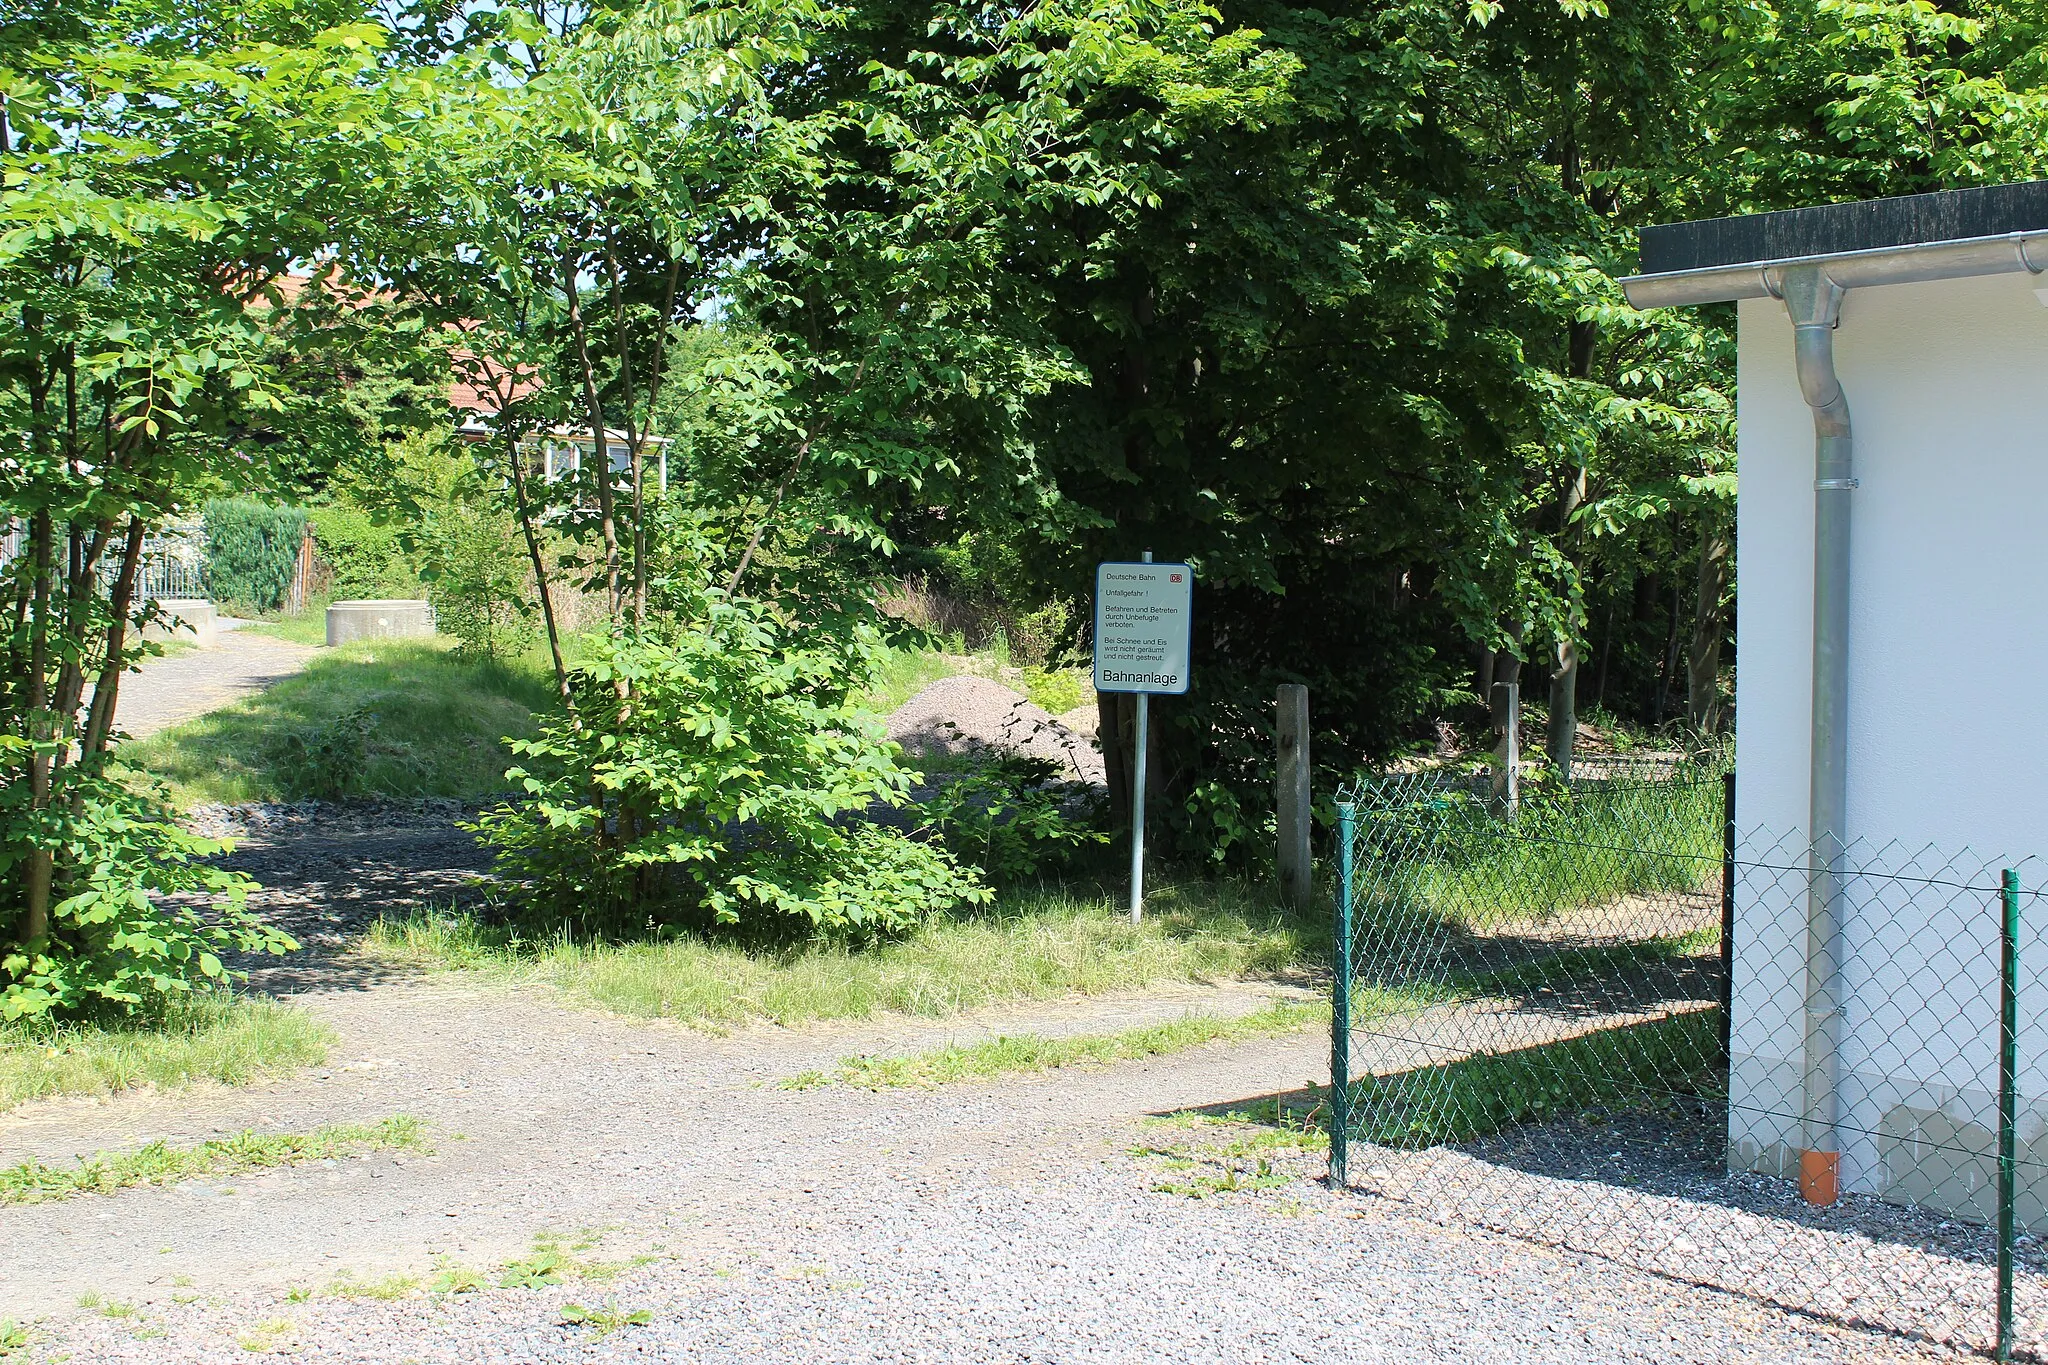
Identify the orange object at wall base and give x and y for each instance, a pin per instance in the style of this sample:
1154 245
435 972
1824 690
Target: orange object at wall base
1820 1177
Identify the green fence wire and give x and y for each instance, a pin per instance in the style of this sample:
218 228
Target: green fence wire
1605 1020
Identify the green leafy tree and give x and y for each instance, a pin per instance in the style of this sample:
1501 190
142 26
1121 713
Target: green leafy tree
160 168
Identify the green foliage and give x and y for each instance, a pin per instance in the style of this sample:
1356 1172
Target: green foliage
605 1319
716 778
364 555
252 552
125 933
448 525
160 1163
326 761
544 1268
1009 816
478 578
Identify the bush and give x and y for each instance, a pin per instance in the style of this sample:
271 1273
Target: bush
326 761
137 918
1010 816
478 576
725 791
366 557
252 552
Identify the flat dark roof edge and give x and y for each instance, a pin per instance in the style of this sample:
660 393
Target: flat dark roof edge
1828 229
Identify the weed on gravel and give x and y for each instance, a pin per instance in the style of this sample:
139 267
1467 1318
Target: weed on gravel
205 1038
14 1337
161 1164
1037 943
1261 1146
1033 1052
605 1319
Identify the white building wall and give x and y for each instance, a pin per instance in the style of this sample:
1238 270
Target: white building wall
1948 747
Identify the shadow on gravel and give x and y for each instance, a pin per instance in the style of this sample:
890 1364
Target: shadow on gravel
1647 1188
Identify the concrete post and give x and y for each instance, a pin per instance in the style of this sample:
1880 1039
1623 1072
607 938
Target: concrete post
1292 795
1507 752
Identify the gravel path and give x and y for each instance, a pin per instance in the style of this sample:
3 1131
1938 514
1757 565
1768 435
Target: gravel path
1003 1221
196 681
1078 1261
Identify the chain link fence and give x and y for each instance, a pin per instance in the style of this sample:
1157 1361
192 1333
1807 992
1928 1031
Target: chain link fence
1606 1021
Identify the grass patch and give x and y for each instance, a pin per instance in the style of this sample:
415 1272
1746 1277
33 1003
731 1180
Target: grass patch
161 1164
307 626
429 723
1038 943
604 1319
906 672
1609 1068
1232 1152
1031 1052
1438 854
206 1038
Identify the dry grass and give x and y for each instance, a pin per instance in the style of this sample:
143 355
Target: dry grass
210 1038
1038 944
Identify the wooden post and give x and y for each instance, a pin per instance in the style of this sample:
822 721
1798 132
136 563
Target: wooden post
1507 751
1297 875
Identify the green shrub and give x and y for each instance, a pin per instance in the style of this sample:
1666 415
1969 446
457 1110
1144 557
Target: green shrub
723 791
478 577
365 557
130 921
252 552
1008 815
326 760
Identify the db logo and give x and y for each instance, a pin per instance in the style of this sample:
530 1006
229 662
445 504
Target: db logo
1173 578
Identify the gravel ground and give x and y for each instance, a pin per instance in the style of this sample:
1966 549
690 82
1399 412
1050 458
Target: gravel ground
966 714
1087 1265
1647 1190
1005 1221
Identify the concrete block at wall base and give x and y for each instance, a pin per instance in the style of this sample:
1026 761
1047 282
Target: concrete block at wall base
395 618
187 618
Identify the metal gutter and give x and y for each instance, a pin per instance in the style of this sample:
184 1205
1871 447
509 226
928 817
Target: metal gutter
2009 253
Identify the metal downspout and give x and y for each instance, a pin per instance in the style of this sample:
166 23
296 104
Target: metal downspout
1815 303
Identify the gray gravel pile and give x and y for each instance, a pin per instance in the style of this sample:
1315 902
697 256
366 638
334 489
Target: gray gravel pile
1091 1267
965 715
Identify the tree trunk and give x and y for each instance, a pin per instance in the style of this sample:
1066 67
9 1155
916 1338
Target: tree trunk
1703 655
35 922
1564 708
1109 733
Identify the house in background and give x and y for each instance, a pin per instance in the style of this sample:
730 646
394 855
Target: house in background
1893 457
479 388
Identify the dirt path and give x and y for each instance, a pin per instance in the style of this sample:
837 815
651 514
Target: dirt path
1001 1221
1006 1220
551 1118
196 681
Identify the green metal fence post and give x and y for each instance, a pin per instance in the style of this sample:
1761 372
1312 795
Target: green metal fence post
1340 1002
2008 1093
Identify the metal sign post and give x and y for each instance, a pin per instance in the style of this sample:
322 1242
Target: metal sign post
1142 616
